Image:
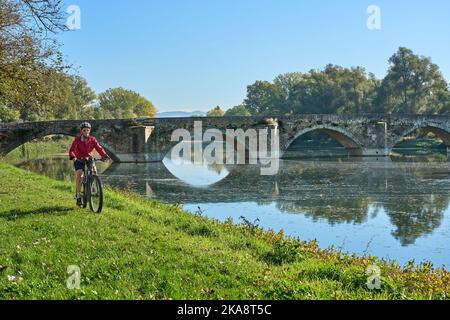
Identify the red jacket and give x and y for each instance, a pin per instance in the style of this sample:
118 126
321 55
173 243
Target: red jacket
81 149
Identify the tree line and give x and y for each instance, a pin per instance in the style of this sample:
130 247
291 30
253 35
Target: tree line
413 85
36 83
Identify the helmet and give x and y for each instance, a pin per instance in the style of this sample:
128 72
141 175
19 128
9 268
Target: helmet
85 125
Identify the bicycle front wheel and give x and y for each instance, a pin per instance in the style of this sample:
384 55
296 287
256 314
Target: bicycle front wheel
84 195
95 195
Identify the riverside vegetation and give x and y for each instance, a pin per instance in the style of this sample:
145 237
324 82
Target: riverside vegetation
143 249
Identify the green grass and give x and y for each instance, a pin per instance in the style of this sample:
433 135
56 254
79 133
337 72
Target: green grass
141 249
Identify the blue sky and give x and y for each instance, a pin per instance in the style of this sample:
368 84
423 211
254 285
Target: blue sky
196 54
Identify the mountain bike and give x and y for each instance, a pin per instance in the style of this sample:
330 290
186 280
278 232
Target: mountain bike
91 187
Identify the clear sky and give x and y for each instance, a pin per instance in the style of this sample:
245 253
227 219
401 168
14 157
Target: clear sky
196 54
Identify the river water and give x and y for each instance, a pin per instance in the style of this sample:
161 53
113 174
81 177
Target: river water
394 210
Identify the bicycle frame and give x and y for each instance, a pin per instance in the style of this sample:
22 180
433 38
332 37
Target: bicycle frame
90 174
89 164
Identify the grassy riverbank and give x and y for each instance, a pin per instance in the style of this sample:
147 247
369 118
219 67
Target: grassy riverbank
140 249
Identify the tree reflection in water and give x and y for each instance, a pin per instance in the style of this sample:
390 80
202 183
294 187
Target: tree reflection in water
415 216
402 191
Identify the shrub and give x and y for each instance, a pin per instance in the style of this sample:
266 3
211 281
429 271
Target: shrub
284 251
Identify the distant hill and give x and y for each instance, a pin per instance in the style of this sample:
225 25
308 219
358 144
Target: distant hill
180 114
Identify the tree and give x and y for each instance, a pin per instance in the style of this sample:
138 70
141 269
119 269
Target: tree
82 94
29 53
216 112
120 103
288 83
413 85
239 110
264 98
71 95
8 114
335 90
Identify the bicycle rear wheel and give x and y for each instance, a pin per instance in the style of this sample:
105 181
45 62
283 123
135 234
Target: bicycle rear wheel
95 194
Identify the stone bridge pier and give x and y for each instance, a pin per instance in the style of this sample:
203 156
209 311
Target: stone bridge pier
148 140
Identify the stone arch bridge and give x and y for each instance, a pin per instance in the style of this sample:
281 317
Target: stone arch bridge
146 140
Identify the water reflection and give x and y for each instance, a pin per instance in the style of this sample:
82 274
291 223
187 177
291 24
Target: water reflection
196 174
415 216
413 196
56 167
335 211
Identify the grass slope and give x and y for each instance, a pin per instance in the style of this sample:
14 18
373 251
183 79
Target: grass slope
140 249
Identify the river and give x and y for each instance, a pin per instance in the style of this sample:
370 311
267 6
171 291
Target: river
393 210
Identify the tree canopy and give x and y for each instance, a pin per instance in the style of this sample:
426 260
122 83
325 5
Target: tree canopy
122 103
29 57
413 85
216 112
239 110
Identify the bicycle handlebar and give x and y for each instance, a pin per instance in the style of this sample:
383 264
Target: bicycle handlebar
95 159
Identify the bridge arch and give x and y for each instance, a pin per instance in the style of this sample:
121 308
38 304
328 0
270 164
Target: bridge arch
342 136
441 131
241 149
36 135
